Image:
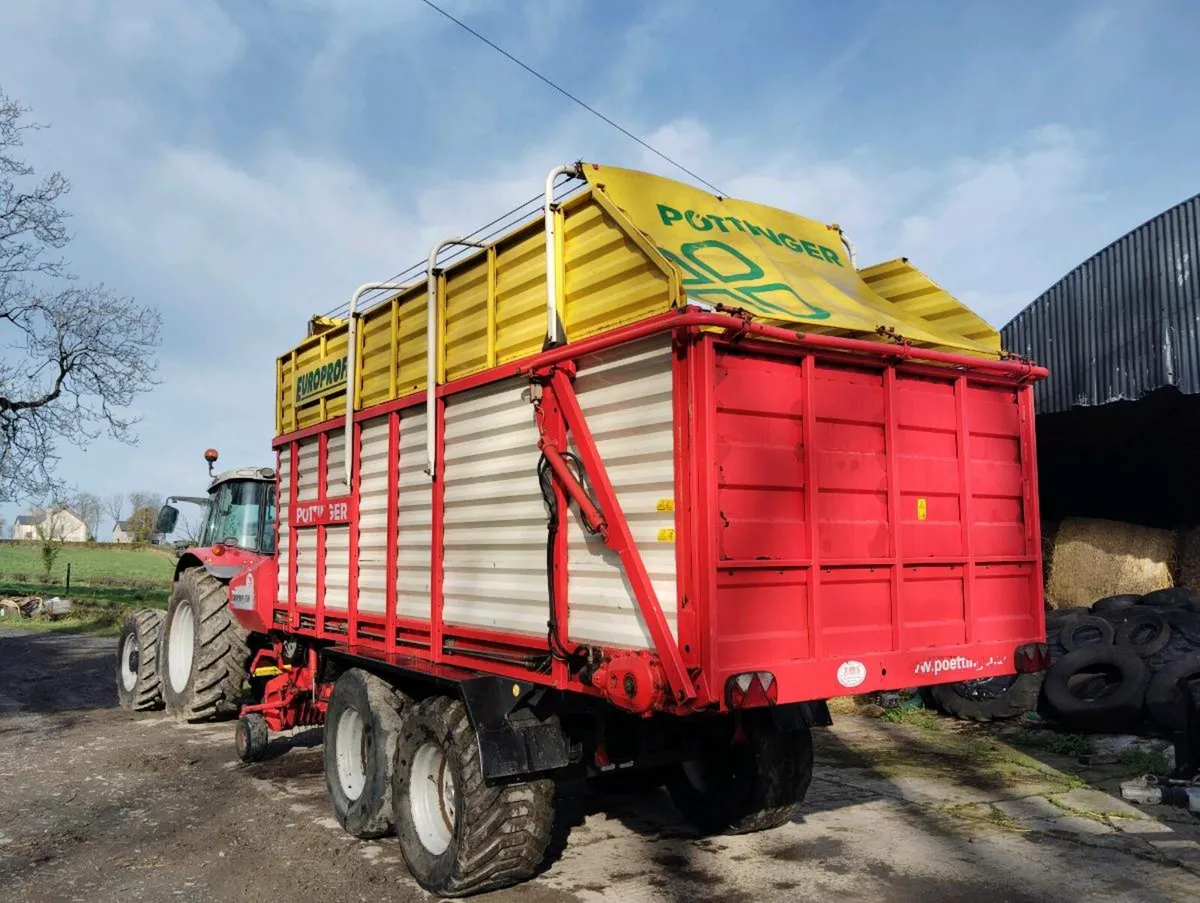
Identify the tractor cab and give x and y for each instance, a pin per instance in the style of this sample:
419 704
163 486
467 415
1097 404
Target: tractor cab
239 510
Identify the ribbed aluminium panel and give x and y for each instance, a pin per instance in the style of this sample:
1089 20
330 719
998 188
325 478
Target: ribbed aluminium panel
337 567
306 472
626 396
373 516
1123 323
306 565
335 464
495 520
283 511
414 523
607 279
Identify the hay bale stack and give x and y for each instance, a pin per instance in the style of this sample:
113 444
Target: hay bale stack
1096 558
1189 558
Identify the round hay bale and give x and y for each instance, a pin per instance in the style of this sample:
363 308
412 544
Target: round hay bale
1093 558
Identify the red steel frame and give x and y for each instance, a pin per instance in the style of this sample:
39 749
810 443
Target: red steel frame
688 661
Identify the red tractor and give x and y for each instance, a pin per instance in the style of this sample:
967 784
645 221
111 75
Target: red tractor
192 658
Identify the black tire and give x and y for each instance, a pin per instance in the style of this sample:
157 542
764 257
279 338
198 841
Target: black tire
1146 632
1097 688
1185 625
367 706
251 737
1056 617
990 698
1086 630
212 686
1113 604
139 684
740 788
1164 702
493 835
1173 597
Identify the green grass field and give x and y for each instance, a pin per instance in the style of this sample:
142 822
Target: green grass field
88 564
100 607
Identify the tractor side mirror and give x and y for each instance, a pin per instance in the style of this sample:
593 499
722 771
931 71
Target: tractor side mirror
168 517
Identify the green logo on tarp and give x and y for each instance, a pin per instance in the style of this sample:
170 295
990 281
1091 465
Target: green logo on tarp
323 379
720 273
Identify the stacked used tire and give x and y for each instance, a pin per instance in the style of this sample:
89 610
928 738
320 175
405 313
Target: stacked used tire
1116 665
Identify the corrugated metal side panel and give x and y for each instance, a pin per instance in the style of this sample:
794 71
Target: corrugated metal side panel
306 472
283 512
608 279
521 294
335 464
373 516
626 395
330 345
1123 323
495 521
414 523
466 312
306 566
337 567
915 294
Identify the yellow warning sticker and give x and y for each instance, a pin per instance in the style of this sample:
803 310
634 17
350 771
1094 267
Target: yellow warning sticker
922 509
666 504
666 535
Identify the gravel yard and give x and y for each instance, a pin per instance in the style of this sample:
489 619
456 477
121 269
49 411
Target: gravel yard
100 805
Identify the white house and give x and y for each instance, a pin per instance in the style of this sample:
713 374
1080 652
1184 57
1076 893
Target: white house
56 523
126 531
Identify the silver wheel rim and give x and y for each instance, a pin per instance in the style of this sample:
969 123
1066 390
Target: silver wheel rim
180 646
348 750
433 798
128 674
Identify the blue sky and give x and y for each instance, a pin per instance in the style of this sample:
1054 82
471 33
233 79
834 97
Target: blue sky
246 164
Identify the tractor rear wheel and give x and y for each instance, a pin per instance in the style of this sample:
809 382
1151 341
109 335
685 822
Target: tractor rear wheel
204 650
752 783
139 682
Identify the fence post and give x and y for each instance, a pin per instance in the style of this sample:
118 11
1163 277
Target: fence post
68 587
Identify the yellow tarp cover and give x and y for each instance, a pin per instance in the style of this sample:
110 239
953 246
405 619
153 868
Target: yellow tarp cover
775 265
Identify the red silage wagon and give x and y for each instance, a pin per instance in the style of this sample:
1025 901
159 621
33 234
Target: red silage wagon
636 486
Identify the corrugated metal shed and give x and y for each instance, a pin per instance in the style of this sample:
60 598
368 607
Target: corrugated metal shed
1123 323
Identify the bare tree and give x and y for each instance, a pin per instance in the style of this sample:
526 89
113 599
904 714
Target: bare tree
145 514
114 505
89 508
74 357
187 528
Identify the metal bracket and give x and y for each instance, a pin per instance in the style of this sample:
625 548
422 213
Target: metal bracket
616 533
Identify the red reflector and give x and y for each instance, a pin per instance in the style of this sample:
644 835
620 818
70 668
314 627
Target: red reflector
1031 658
752 689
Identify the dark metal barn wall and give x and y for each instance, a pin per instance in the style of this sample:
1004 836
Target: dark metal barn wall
1122 324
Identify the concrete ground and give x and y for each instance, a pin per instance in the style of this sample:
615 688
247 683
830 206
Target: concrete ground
97 804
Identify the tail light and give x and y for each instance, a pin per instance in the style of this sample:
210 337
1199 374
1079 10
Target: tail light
751 690
1031 658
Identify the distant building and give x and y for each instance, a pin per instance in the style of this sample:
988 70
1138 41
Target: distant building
56 523
126 531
